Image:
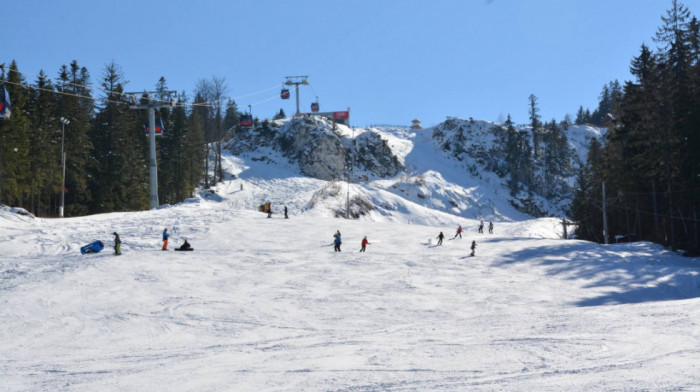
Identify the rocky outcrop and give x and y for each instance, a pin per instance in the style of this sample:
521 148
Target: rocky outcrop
319 148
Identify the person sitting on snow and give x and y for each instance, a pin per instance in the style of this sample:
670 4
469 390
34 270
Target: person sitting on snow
185 246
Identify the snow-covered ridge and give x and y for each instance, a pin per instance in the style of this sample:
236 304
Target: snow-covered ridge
457 167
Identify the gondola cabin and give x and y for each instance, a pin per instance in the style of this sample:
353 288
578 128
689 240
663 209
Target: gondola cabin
315 107
5 103
247 120
285 93
159 127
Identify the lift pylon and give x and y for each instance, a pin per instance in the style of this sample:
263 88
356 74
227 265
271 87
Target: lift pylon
296 81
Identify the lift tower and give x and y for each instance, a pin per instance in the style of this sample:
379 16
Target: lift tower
148 101
296 81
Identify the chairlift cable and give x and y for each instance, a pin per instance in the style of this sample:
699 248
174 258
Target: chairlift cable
58 82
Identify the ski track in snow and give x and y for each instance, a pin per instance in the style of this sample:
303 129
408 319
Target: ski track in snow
266 305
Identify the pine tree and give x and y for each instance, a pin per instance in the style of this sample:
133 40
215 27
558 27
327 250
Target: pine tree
232 116
77 105
15 167
120 180
536 125
280 115
45 145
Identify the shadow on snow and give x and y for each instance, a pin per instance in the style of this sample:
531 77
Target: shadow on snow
634 272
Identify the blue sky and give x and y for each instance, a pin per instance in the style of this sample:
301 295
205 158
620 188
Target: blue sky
390 61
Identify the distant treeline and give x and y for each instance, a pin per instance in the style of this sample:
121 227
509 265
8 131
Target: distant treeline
649 160
107 154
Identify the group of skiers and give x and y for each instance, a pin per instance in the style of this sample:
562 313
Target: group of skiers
337 241
118 243
441 236
267 208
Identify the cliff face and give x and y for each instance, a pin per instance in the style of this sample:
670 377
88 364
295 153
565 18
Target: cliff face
319 149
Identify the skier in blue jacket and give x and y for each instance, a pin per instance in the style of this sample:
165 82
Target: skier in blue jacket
165 239
337 241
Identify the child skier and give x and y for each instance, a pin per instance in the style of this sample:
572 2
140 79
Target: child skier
337 241
364 244
117 244
473 248
165 239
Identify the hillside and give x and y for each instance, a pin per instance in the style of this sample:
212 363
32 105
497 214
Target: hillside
457 167
266 305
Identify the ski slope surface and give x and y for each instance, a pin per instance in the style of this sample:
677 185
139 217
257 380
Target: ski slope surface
267 305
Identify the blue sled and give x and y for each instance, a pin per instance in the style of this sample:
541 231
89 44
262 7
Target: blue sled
95 247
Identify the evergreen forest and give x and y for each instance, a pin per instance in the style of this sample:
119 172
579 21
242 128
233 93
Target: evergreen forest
645 173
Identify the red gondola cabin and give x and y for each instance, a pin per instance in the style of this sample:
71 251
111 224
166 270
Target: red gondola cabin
246 120
159 127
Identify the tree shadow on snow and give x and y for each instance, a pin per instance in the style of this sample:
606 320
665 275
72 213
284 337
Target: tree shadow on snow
634 272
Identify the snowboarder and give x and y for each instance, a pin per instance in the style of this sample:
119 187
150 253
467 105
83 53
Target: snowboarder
490 227
481 227
440 237
365 242
459 232
117 244
473 248
165 239
337 241
285 213
185 246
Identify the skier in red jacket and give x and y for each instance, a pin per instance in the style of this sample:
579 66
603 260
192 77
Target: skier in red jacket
364 244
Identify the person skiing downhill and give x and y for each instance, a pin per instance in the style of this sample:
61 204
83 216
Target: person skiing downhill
117 244
481 227
473 247
440 237
459 232
165 239
490 227
285 213
365 242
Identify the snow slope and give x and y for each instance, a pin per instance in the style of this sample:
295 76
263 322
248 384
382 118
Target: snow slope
266 305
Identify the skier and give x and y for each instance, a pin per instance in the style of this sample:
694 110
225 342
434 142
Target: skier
473 248
165 239
440 238
459 232
490 227
268 208
117 244
481 227
285 213
365 242
337 241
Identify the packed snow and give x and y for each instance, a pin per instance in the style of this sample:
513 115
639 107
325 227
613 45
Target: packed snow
267 305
